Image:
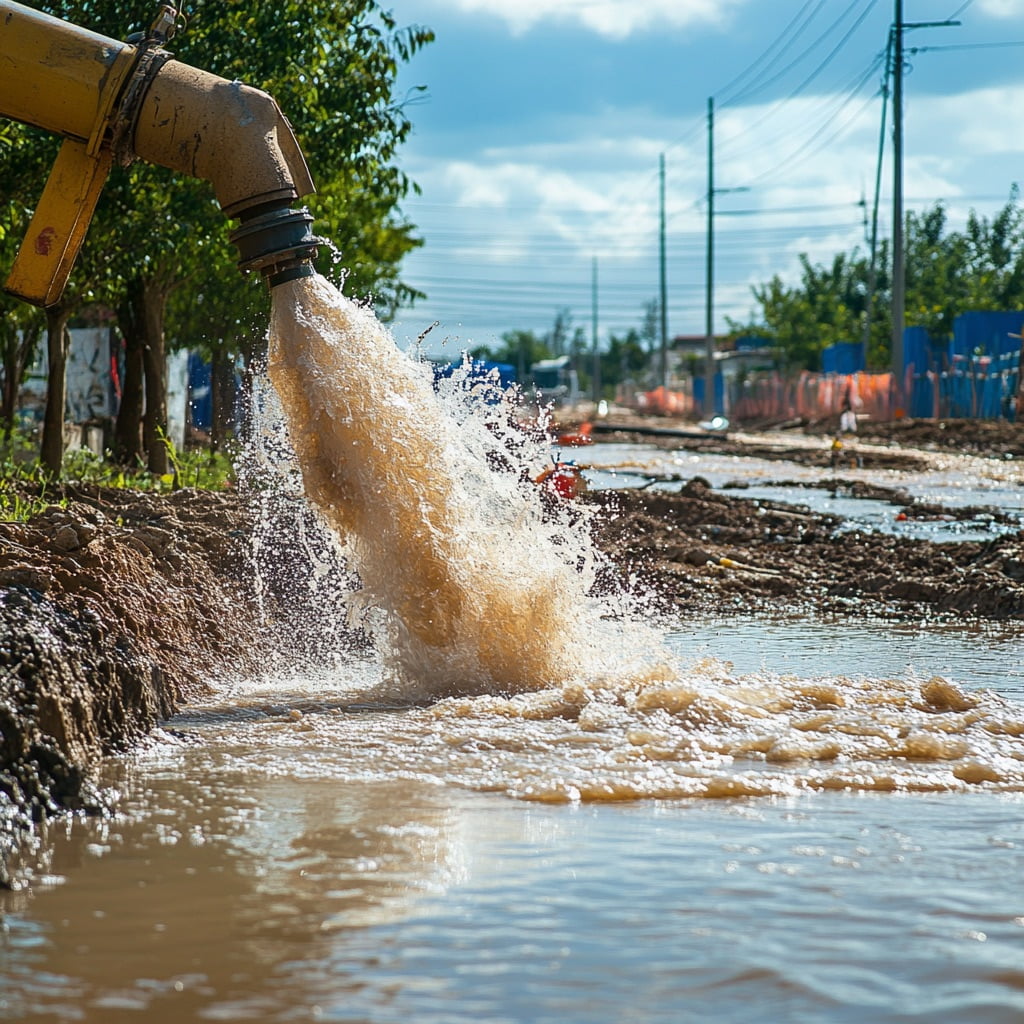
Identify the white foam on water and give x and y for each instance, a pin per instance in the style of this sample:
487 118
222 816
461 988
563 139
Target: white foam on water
482 599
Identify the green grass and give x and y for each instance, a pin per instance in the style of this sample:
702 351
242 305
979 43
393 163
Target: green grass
26 489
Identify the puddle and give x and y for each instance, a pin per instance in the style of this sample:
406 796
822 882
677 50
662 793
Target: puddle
976 482
973 657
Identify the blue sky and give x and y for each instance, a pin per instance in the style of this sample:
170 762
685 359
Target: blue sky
538 138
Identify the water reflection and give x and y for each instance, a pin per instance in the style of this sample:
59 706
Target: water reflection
974 656
195 898
954 482
297 850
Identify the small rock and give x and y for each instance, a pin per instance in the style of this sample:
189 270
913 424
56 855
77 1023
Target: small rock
154 539
29 576
65 538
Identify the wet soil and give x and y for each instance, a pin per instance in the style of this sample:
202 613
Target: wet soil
702 552
116 606
901 444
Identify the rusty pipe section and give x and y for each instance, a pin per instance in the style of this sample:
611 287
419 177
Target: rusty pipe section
235 137
112 100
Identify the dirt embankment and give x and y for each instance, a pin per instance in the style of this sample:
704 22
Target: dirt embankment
703 552
119 606
113 609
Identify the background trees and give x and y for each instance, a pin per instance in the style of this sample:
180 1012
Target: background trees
331 65
947 273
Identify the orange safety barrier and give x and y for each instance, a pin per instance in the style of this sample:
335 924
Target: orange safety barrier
772 396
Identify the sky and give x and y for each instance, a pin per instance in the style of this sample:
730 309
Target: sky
540 128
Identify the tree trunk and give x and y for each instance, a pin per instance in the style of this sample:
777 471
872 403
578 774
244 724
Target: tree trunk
154 361
17 353
222 398
128 428
57 341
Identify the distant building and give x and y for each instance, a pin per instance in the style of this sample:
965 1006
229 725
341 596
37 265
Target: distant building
556 380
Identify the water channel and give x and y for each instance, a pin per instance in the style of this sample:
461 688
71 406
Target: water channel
295 850
580 819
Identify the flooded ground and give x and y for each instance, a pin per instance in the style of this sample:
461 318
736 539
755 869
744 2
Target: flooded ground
956 482
296 851
671 769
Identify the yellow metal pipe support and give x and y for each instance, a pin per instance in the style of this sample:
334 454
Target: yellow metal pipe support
114 101
58 76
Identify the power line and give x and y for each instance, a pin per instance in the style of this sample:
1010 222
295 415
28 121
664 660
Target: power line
800 151
960 10
963 46
727 100
844 99
842 42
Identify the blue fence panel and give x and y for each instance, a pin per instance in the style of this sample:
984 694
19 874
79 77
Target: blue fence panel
844 357
987 333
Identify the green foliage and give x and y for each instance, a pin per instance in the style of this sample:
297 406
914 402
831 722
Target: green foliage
209 471
199 469
625 359
331 65
519 348
946 273
24 484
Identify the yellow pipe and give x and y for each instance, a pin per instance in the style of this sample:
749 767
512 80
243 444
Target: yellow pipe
232 135
57 76
112 100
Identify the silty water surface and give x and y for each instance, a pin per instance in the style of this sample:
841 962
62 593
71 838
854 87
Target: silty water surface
955 481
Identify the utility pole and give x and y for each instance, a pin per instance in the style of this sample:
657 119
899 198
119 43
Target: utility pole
663 362
873 240
709 315
898 259
593 332
899 270
709 294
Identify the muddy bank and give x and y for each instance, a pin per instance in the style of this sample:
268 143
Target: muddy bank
114 608
702 552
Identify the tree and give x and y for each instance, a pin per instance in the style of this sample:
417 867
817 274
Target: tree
20 325
826 307
650 331
625 359
947 273
331 66
519 348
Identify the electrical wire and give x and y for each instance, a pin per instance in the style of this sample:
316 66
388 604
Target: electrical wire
833 106
726 99
831 56
963 46
960 10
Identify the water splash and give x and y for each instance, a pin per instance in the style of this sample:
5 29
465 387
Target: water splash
481 585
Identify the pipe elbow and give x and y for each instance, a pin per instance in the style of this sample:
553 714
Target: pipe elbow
235 137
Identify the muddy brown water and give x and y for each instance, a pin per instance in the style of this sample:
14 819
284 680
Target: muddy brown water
304 849
531 807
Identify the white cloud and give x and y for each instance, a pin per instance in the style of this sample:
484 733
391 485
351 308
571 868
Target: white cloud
982 120
531 215
614 19
1002 8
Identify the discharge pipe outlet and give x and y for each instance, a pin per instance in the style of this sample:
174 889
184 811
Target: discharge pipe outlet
235 137
112 100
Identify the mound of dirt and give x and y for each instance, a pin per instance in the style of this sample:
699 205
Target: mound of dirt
115 607
702 552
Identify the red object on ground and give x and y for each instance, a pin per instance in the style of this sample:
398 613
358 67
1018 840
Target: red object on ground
563 479
577 440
